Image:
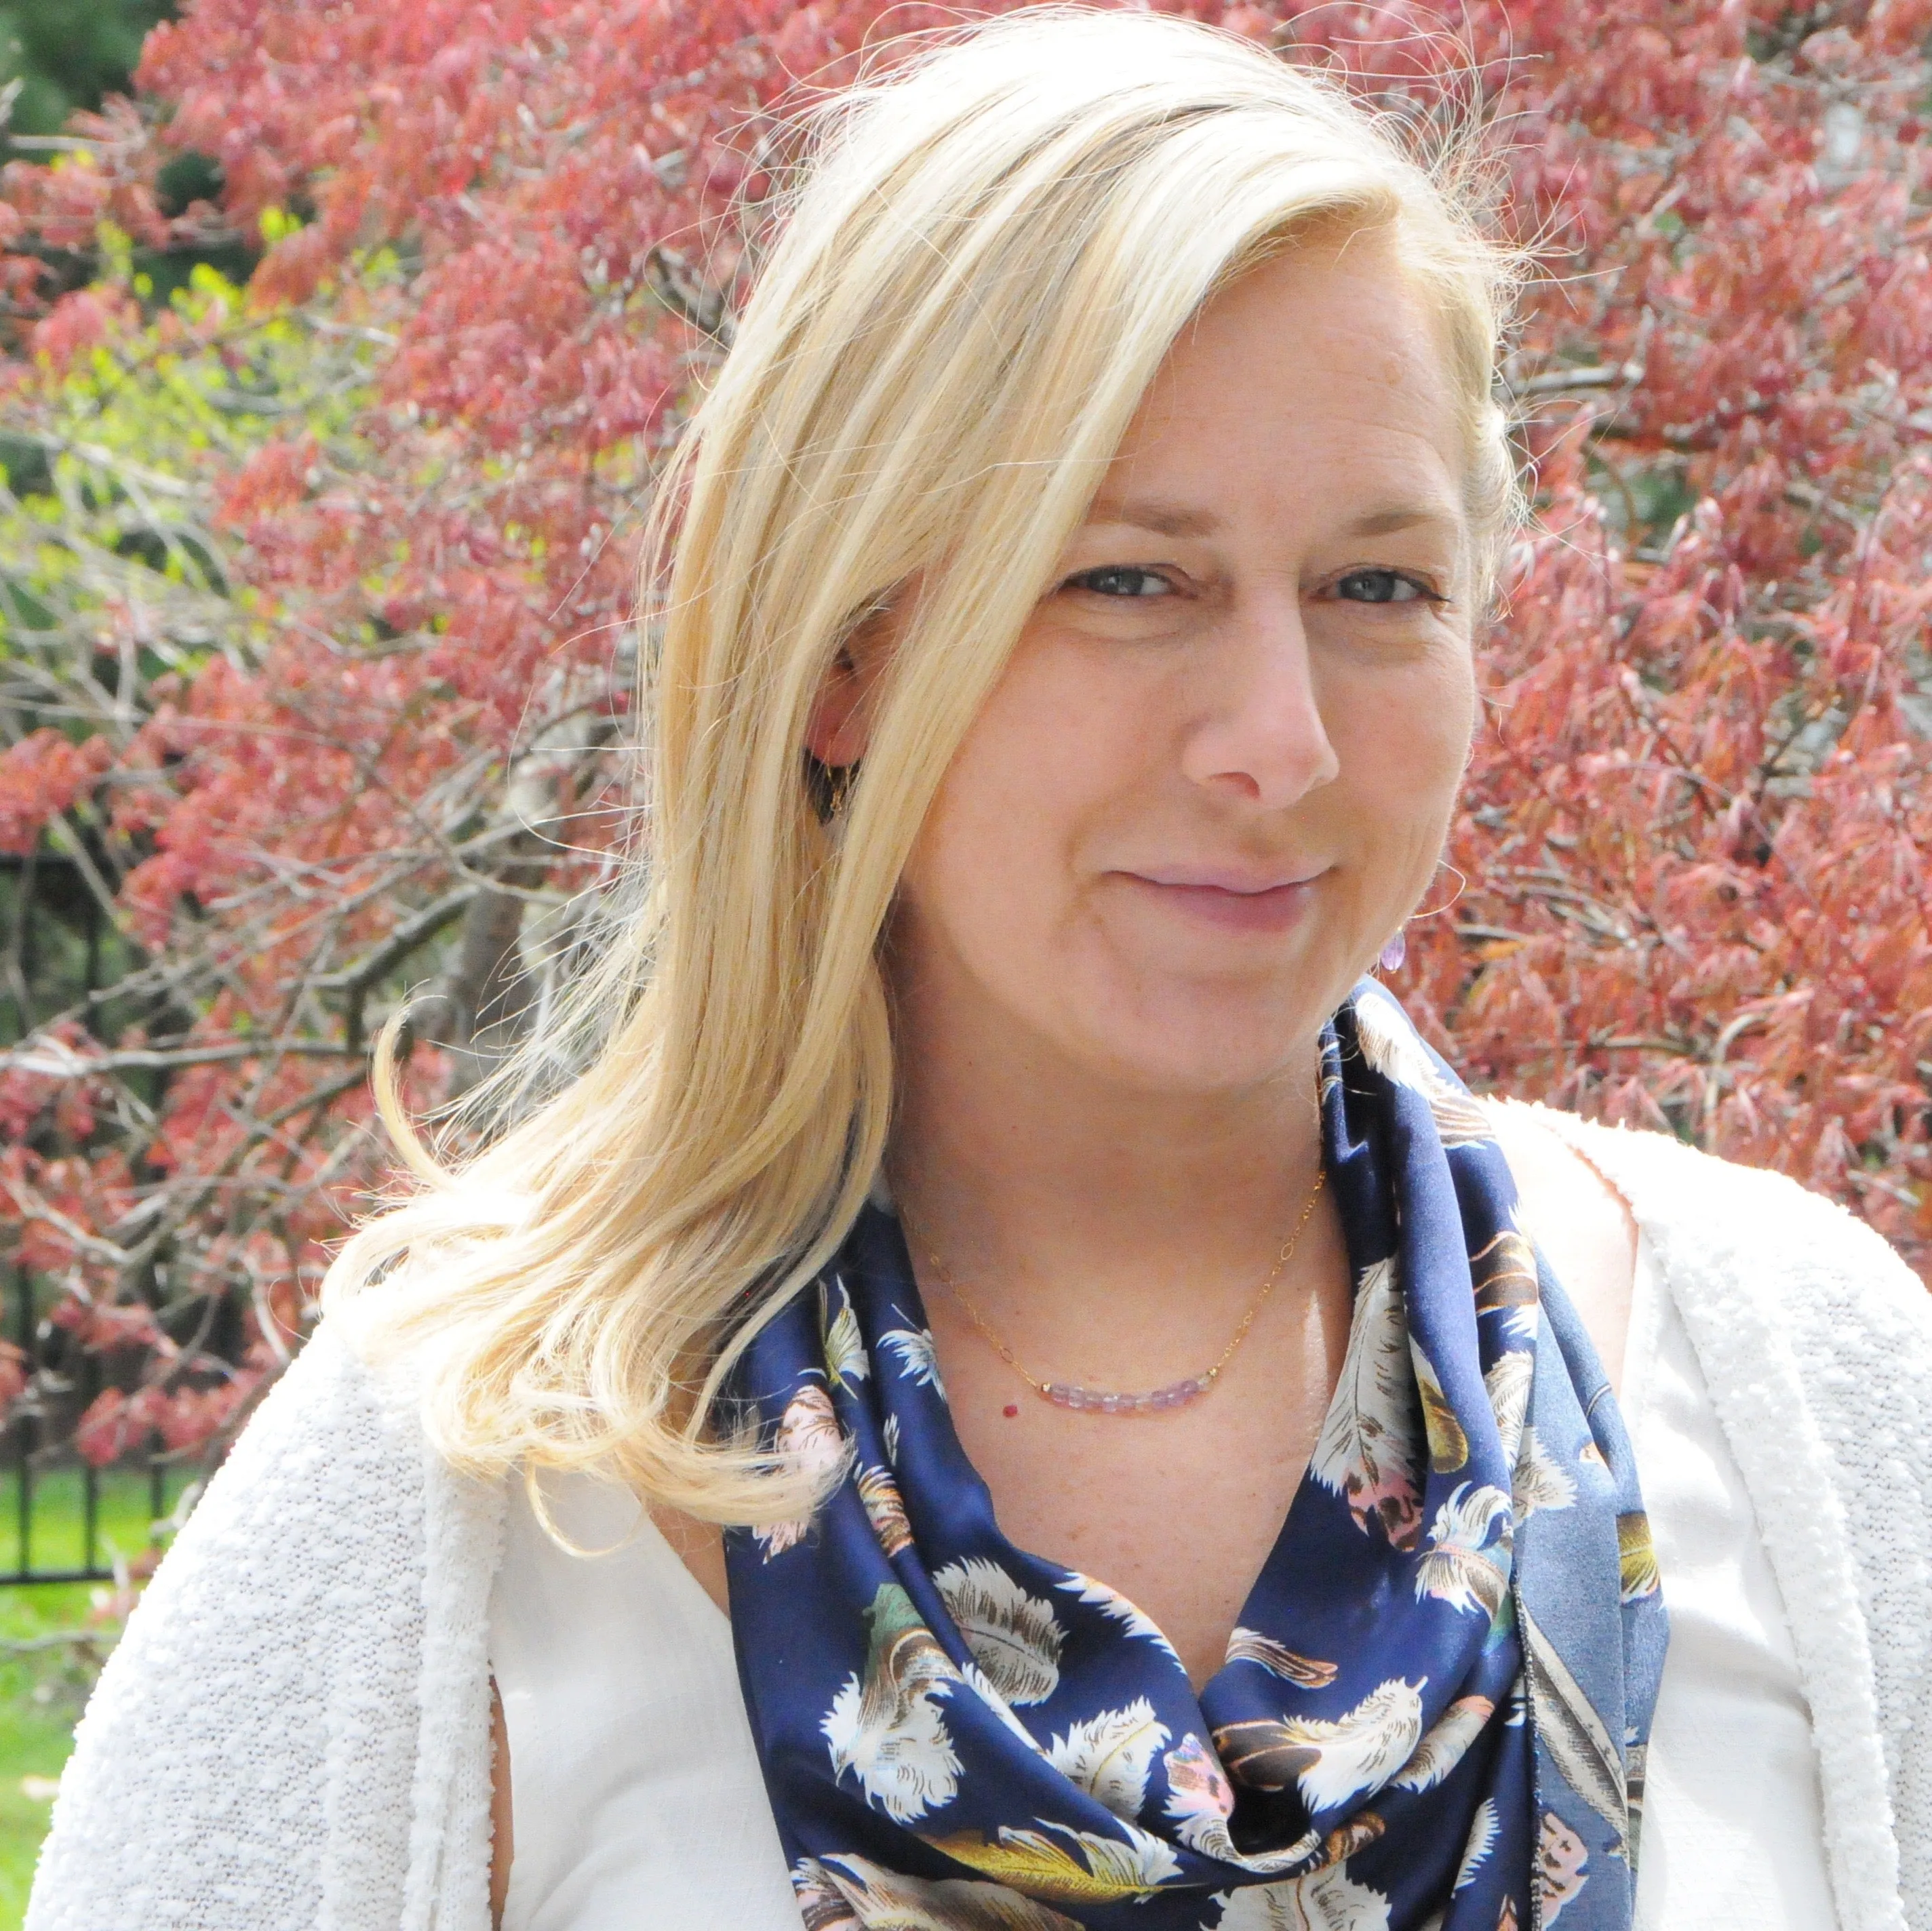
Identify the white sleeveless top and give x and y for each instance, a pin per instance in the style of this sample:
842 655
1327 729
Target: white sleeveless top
638 1799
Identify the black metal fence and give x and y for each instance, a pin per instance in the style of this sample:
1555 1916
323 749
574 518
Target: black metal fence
63 1519
31 1497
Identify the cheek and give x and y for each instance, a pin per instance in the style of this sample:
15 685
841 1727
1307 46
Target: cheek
1402 753
1045 760
1410 744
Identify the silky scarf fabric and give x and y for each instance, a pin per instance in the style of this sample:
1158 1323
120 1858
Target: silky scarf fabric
1433 1712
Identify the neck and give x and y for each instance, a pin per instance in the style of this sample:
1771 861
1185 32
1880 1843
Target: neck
1051 1191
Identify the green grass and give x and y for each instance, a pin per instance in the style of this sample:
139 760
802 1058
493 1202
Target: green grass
58 1538
42 1691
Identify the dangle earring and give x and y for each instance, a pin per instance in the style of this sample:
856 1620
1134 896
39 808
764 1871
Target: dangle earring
829 786
1393 954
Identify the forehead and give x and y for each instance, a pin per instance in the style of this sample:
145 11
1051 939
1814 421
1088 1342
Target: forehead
1319 375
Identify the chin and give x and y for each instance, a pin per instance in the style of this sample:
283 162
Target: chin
1203 1074
1159 1029
1200 1054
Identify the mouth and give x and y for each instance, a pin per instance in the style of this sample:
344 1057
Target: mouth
1231 901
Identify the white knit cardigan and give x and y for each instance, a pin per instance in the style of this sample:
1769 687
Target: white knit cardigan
294 1733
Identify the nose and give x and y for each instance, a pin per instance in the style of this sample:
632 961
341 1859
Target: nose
1258 735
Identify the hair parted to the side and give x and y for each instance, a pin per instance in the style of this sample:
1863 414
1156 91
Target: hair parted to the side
991 248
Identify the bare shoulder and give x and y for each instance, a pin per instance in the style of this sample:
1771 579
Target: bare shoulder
1581 1223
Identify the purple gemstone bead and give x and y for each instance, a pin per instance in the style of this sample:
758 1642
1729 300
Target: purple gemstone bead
1174 1395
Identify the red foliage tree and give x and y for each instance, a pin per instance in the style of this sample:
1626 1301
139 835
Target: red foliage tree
343 710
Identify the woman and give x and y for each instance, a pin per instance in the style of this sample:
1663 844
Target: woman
993 1146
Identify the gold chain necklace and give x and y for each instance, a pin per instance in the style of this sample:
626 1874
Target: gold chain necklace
1176 1394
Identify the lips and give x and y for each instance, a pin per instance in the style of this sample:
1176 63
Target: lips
1231 901
1242 884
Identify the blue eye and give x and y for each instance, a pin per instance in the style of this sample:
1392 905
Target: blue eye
1120 579
1383 587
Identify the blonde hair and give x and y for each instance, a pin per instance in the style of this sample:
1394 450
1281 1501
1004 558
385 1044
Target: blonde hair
993 246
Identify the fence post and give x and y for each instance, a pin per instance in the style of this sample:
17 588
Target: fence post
25 1426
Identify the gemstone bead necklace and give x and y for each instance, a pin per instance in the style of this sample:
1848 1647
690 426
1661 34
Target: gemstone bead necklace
1101 1401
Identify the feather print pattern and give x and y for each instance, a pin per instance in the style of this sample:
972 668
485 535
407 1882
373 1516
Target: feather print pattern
1446 1744
1448 1444
846 1360
1013 1636
1108 1755
1568 1724
1357 1834
1366 1452
1112 1604
1504 1273
1200 1804
887 1730
1561 1862
1429 1684
820 1903
918 1359
809 1441
876 1900
983 1686
1329 1761
885 1509
1508 1385
1484 1830
1390 1044
1636 1758
1542 1482
1328 1900
1636 1556
1278 1659
1067 1866
1461 1565
1200 1799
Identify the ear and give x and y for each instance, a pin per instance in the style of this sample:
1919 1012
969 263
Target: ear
840 724
836 729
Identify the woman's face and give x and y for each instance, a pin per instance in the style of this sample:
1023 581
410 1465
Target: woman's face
1217 773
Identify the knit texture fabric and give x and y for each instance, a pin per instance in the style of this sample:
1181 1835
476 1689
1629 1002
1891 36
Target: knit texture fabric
294 1730
1816 1342
293 1734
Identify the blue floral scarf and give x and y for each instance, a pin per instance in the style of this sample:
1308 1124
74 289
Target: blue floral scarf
1433 1716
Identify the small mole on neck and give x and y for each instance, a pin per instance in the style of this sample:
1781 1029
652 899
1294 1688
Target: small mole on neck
1011 1410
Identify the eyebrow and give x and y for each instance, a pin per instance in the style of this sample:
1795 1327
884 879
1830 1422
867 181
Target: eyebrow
1403 515
1174 520
1163 519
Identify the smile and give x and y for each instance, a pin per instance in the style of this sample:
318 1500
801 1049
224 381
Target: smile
1231 904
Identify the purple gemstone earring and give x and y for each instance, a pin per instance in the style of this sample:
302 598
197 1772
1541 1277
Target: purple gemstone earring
1394 952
